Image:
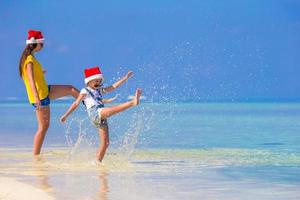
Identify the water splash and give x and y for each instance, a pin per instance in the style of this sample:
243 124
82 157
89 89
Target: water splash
79 147
81 137
131 136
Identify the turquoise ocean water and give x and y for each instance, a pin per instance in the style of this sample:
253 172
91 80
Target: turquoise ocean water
161 151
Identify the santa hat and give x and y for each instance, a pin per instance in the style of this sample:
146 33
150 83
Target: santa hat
92 73
34 37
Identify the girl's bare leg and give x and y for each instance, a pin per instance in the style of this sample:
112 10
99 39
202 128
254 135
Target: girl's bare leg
58 91
109 111
104 142
43 118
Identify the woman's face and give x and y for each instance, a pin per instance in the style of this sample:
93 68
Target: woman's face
38 47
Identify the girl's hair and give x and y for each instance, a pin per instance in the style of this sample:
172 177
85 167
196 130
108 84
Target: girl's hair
27 51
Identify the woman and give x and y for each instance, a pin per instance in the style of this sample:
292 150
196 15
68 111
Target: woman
38 91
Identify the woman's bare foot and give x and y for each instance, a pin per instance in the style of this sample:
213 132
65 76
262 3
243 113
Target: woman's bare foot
37 158
136 99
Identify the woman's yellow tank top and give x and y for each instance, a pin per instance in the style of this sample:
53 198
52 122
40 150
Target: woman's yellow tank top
39 79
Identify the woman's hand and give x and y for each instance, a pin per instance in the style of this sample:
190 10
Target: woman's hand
37 103
129 74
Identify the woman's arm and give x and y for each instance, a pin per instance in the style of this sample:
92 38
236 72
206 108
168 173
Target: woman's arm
29 72
109 100
72 107
118 83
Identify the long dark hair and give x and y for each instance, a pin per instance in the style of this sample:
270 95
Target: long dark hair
27 51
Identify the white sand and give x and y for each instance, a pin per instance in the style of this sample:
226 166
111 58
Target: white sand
11 189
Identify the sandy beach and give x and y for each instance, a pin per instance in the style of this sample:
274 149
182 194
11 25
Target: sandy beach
156 174
11 189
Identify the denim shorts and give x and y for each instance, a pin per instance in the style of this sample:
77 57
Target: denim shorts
94 113
46 101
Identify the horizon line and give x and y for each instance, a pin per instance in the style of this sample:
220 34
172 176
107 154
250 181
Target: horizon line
221 100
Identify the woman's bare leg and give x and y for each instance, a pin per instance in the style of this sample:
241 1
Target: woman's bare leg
109 111
58 91
104 142
43 118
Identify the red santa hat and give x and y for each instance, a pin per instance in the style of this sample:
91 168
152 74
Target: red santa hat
92 73
34 37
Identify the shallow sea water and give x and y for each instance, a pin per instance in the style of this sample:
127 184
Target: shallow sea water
160 151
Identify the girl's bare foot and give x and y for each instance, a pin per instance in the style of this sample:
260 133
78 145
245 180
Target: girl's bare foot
137 96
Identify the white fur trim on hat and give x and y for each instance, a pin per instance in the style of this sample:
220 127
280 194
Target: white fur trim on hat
96 76
34 41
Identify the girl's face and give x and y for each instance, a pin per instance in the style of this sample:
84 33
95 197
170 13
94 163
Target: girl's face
95 83
38 47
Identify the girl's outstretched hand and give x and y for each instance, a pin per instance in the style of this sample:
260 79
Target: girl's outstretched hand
129 74
110 99
63 119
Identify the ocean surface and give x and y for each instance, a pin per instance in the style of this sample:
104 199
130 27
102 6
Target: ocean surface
159 151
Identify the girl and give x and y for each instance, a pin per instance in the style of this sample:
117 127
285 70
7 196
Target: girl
92 99
38 91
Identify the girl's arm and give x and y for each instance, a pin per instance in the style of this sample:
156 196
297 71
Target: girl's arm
109 100
29 71
118 83
72 107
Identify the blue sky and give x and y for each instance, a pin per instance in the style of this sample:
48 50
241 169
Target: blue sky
179 50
